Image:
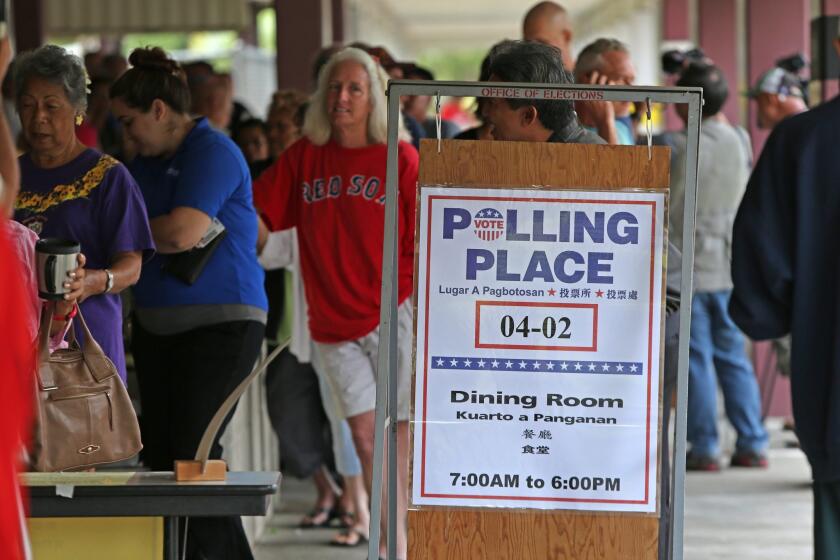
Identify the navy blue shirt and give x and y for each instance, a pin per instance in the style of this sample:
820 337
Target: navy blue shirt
207 173
786 270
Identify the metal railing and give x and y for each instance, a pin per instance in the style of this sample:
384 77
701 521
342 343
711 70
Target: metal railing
386 401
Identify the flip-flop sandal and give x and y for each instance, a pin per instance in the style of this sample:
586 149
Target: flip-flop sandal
346 519
308 521
360 538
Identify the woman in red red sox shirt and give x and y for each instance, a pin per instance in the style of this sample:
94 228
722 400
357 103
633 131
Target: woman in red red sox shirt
331 185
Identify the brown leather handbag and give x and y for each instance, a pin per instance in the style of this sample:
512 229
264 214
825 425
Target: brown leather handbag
84 415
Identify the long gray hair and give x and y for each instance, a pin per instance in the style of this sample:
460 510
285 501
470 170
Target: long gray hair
316 123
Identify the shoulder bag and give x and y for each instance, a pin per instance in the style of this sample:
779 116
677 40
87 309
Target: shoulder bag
84 415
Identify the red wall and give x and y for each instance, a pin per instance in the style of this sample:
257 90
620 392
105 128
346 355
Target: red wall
775 28
718 39
675 20
676 26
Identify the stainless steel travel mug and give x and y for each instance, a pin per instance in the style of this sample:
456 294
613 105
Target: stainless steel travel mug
54 258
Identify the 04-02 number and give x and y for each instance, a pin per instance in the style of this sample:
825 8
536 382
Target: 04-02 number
551 327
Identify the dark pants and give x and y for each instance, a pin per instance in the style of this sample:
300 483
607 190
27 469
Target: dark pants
669 386
275 290
826 520
183 380
297 416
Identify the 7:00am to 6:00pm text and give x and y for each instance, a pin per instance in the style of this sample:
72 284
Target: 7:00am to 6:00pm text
489 480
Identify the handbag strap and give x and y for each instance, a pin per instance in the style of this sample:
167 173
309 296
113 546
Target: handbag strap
99 365
45 374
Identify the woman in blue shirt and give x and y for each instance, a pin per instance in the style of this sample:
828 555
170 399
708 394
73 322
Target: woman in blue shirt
194 338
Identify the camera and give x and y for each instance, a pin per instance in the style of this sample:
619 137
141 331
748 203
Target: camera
675 61
794 63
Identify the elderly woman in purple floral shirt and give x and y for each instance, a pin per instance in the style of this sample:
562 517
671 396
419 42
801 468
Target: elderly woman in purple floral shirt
76 193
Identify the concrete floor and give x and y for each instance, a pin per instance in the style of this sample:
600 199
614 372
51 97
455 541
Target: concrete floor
743 514
282 540
746 514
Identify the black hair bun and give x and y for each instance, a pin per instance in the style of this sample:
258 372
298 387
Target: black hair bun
153 58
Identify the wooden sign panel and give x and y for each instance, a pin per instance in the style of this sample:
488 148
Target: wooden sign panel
437 532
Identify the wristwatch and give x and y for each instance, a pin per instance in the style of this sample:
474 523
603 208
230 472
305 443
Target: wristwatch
109 281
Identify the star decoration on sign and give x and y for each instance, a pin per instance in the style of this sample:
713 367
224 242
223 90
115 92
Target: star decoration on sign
599 293
552 291
479 363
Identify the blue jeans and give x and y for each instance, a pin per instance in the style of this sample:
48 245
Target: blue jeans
717 346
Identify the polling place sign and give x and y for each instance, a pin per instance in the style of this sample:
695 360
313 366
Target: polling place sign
539 318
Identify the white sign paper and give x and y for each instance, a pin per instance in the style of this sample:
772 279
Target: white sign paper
538 349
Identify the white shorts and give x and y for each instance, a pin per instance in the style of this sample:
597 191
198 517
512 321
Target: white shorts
350 368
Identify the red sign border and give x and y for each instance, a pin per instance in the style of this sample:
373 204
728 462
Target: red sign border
431 199
593 306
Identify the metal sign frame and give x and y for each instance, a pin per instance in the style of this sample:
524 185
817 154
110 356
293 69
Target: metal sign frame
386 400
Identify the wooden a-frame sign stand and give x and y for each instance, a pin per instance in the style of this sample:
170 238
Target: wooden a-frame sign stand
440 533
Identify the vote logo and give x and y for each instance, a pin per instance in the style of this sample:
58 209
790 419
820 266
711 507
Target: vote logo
489 224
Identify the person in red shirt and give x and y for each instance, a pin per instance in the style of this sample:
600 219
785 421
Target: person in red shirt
18 325
17 358
331 185
17 364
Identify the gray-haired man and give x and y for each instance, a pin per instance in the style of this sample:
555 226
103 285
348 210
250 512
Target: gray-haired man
606 62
